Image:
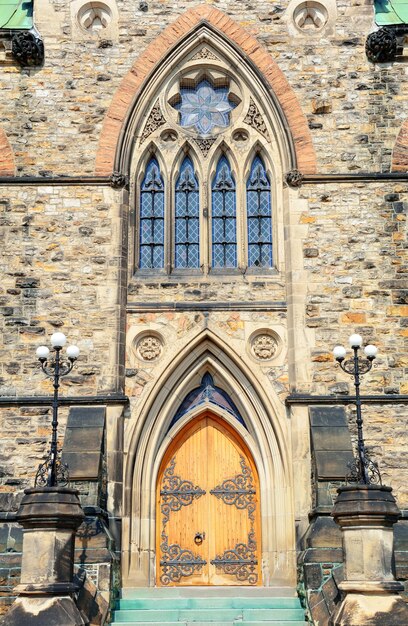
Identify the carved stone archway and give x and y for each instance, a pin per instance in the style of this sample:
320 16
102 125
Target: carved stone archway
267 437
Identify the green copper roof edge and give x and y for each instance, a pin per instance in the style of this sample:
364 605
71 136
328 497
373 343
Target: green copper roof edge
16 14
391 12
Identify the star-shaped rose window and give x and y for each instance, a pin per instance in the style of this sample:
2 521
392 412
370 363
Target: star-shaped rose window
204 108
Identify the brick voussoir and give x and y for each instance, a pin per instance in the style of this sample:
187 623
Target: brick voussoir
400 151
7 166
157 50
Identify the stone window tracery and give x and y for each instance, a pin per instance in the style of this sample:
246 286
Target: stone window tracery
208 206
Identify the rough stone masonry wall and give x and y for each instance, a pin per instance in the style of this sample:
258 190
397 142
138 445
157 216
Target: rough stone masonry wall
60 268
53 115
360 285
60 263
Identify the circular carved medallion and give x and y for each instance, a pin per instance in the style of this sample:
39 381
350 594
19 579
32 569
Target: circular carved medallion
94 16
264 346
149 348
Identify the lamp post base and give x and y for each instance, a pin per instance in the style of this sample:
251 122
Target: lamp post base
366 515
35 611
50 517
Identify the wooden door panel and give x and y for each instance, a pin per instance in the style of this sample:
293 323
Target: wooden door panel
183 512
208 486
234 553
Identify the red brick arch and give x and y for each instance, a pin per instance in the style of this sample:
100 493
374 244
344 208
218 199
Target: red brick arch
7 166
157 50
400 152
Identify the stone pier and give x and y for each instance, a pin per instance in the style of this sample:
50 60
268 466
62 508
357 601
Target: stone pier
366 515
50 516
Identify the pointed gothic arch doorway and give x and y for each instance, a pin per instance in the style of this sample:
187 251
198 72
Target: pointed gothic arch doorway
208 510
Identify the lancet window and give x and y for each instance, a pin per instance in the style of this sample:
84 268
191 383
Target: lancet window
152 218
224 230
187 218
204 180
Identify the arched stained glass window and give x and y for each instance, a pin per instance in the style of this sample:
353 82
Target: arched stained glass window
187 231
207 392
224 217
152 218
259 216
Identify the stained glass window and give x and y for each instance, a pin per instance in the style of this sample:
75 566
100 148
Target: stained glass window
152 218
224 217
204 108
187 233
207 392
259 216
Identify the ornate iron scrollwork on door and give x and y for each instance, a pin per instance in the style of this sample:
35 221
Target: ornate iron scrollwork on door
240 562
238 491
176 492
177 562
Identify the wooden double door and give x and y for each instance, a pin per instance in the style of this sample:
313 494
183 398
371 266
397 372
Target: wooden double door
208 518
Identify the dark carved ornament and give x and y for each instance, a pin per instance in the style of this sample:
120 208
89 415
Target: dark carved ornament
240 562
154 121
43 472
381 46
238 491
254 118
177 562
176 492
118 180
294 178
27 49
205 144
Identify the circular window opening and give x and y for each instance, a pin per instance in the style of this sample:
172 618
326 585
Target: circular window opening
94 17
310 16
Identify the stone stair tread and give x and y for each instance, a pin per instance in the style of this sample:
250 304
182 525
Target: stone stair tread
190 614
209 603
204 606
272 614
223 623
207 592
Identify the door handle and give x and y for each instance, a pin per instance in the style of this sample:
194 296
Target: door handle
199 538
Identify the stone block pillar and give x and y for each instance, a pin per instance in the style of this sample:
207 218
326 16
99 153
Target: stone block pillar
366 515
50 516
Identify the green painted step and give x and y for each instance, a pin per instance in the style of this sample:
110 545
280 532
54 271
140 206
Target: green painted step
239 623
213 603
209 606
208 615
132 593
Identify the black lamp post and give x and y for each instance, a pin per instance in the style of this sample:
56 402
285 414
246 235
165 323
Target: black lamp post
363 470
52 471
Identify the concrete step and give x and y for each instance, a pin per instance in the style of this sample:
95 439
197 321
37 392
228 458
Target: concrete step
238 623
207 592
209 603
209 606
209 615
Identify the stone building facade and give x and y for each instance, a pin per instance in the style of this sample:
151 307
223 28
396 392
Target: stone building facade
78 134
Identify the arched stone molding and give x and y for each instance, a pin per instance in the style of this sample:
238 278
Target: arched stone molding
268 438
7 165
400 151
114 148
